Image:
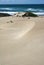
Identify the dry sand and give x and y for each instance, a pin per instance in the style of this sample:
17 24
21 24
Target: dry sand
22 41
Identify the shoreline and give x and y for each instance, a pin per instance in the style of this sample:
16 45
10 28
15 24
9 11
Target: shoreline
14 13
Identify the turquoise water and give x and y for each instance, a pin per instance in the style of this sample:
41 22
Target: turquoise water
11 9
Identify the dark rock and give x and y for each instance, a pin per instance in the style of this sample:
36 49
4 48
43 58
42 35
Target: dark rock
4 14
29 14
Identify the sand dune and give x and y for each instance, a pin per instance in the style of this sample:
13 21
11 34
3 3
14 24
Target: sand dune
22 42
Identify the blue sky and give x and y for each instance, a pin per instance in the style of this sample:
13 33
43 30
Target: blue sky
21 1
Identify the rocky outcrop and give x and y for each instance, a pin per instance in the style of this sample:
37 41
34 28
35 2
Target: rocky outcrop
29 14
4 14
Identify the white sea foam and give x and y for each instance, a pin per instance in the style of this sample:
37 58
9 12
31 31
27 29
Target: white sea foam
33 9
39 13
6 8
11 13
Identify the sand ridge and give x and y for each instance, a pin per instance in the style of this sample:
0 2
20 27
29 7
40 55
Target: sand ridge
19 28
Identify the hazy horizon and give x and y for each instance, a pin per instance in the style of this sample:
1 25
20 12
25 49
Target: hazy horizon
21 2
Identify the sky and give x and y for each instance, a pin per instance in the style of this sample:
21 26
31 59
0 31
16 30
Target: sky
21 1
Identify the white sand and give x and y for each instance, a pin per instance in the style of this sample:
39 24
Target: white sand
21 42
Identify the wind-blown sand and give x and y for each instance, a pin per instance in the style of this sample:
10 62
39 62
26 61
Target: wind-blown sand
22 41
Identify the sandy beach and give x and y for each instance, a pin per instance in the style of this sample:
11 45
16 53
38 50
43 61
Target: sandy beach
22 40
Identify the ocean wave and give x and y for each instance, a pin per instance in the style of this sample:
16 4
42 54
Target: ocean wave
39 13
21 9
12 9
5 8
35 10
10 13
8 9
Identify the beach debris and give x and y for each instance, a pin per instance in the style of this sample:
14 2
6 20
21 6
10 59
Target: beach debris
10 21
19 14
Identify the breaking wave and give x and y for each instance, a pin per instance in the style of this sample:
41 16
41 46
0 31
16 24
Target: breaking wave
14 10
35 10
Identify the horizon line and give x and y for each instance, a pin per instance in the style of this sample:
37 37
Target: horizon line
21 4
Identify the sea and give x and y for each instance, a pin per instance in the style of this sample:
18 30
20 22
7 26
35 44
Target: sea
14 8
